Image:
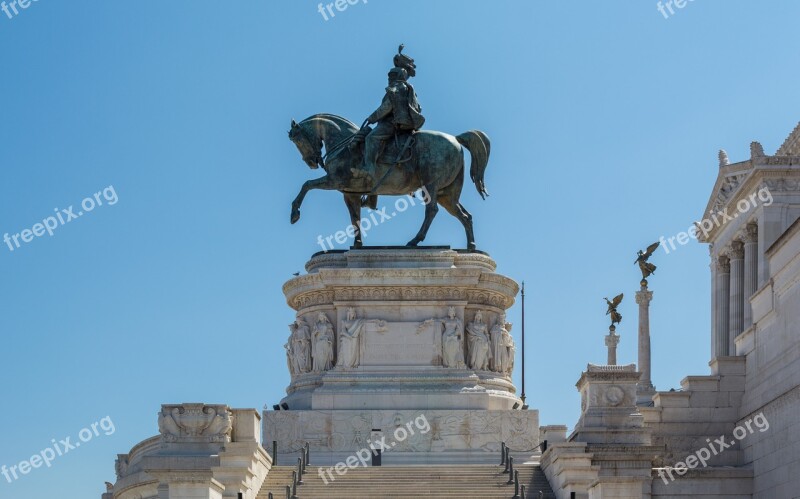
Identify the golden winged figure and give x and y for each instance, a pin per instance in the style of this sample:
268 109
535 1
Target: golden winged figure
616 317
646 267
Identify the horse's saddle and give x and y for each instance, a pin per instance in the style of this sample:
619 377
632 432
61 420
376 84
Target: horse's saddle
396 151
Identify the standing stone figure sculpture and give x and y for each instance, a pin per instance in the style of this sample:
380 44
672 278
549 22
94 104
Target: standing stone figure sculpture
645 266
502 346
452 332
512 350
300 346
616 317
478 341
290 359
406 162
322 344
349 340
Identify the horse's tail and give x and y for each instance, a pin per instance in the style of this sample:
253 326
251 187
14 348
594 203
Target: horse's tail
479 146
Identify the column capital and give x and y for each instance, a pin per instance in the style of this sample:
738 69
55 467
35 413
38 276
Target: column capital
736 251
612 340
644 297
751 233
723 264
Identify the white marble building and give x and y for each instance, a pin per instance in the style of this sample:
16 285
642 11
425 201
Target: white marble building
731 434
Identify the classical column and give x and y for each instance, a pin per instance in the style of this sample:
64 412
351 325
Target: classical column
736 325
645 388
722 305
713 271
612 340
750 271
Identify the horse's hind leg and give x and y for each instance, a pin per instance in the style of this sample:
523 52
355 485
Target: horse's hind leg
463 216
430 212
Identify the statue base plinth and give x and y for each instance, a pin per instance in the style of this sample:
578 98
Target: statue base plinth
417 332
399 360
394 387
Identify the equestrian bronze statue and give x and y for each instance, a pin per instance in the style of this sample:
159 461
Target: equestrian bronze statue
400 158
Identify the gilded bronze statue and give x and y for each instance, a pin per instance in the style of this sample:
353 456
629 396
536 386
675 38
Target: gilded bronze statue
616 317
645 266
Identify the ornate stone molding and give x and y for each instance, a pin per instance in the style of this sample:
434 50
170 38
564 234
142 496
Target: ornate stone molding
390 293
312 298
782 185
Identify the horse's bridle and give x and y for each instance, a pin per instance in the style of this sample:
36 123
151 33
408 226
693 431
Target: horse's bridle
319 159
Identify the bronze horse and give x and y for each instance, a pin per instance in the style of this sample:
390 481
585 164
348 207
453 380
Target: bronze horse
437 166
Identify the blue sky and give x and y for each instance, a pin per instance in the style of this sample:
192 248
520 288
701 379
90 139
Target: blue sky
605 118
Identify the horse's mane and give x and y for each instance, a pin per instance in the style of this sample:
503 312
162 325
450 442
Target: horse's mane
342 122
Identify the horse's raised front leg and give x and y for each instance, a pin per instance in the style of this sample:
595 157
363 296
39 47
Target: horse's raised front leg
318 183
353 202
430 212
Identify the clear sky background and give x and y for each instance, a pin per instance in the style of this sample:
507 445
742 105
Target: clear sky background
605 117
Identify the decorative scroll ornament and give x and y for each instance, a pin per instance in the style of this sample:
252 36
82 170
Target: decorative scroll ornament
195 423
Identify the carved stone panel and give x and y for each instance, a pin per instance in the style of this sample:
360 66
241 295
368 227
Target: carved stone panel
401 344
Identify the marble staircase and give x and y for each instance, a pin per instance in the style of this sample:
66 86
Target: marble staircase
461 481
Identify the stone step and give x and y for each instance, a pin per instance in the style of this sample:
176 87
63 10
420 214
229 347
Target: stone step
468 481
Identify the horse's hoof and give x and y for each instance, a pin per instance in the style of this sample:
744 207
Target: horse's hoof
413 242
358 244
295 217
472 246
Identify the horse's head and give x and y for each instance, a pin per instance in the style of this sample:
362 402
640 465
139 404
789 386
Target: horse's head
310 147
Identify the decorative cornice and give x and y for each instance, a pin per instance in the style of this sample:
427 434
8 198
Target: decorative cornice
402 293
744 183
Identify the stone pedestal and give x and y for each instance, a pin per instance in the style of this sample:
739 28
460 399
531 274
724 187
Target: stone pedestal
609 454
387 334
608 407
203 451
612 340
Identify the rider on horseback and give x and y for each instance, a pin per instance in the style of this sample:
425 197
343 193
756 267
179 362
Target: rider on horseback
399 112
